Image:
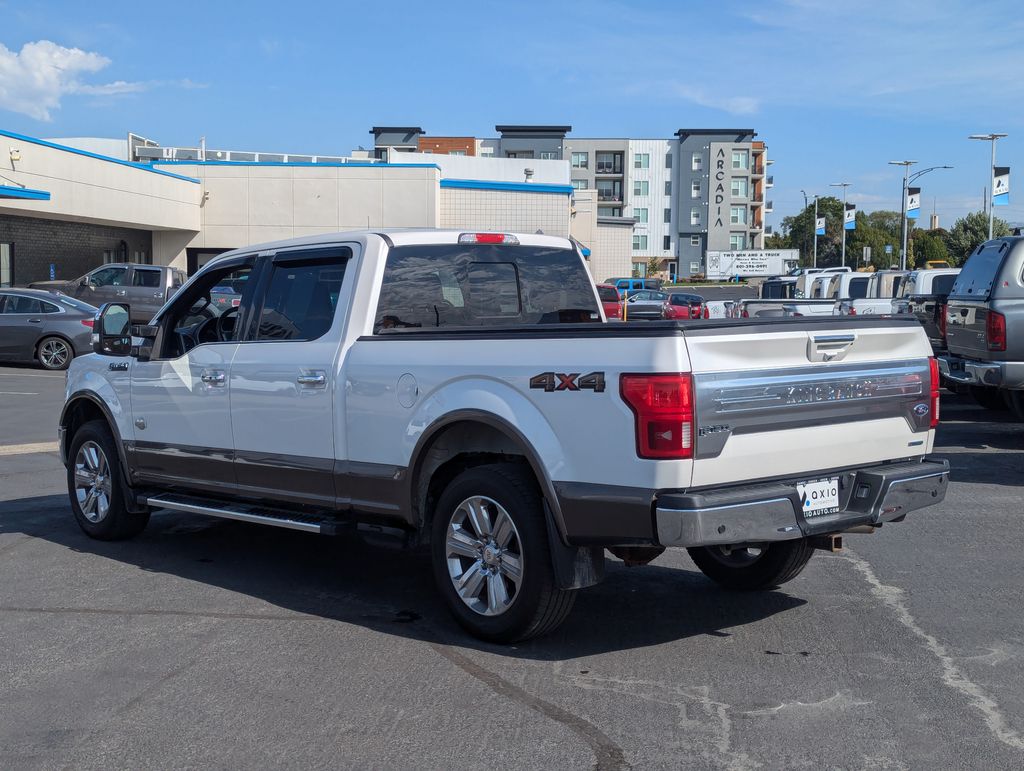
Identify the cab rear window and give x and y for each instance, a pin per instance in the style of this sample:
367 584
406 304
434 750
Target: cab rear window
980 271
607 294
477 285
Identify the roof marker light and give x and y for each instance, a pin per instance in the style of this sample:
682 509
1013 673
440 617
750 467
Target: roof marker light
488 238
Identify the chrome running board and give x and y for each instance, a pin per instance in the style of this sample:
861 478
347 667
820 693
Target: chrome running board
239 512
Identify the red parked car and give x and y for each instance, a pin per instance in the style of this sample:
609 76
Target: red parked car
610 300
684 306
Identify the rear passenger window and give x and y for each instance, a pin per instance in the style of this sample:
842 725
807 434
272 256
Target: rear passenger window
150 278
18 304
467 285
858 288
301 297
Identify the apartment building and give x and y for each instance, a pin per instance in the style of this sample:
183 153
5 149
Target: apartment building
703 189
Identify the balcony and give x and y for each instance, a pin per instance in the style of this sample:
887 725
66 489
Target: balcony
769 207
769 182
757 148
608 163
757 169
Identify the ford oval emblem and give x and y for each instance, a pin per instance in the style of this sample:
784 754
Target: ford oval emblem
921 409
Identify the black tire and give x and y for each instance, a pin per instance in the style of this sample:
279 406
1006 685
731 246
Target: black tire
989 398
115 522
741 569
54 353
535 604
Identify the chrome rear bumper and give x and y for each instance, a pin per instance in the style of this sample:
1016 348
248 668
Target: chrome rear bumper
774 512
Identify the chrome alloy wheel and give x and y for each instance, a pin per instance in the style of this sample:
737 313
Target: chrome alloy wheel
92 481
485 556
55 353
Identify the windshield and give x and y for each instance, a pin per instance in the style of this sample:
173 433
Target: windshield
979 272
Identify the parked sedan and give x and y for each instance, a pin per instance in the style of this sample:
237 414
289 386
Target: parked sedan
646 304
684 306
45 327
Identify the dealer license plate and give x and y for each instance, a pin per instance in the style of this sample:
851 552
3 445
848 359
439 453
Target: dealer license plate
819 497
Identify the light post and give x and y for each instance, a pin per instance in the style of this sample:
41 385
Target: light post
815 263
907 179
843 185
992 173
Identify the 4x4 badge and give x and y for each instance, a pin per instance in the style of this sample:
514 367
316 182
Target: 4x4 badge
556 381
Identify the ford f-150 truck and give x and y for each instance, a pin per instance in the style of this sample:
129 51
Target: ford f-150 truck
144 287
438 388
985 325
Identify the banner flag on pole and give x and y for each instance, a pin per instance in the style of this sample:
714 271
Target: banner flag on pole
1001 186
850 217
819 226
913 202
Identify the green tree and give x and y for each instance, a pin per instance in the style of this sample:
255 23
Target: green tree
653 265
777 241
928 245
800 230
970 231
875 230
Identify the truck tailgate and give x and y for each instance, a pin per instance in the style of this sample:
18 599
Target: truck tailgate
778 402
966 323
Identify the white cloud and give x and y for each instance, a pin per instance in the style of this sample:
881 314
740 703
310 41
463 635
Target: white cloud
34 80
737 105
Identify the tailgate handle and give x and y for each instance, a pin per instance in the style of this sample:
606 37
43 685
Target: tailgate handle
829 347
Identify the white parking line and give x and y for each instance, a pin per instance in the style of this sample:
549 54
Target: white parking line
25 449
30 374
19 393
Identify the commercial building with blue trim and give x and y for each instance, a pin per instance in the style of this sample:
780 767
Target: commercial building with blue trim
67 206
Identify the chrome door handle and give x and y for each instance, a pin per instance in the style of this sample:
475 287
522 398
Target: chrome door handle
158 295
312 379
214 377
34 321
121 292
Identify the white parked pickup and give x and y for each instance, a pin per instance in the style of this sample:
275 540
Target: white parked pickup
462 391
883 287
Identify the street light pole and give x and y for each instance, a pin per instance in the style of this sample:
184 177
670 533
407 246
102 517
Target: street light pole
903 211
991 176
815 263
843 185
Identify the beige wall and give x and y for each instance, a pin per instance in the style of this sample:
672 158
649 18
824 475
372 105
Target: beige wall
88 189
505 210
610 255
246 205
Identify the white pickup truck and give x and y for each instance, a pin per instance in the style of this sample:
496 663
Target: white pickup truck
882 289
830 291
461 391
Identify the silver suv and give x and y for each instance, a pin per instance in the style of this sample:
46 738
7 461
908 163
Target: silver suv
144 287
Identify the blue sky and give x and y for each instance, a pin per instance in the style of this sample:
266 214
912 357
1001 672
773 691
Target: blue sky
836 89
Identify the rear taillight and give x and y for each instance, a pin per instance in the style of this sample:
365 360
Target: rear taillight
746 313
995 331
87 323
942 320
707 313
851 311
488 238
662 406
934 369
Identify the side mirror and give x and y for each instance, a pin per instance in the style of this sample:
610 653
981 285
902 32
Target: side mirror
111 330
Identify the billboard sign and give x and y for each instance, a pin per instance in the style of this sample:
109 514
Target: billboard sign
759 262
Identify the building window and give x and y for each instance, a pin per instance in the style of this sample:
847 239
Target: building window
668 215
641 160
456 152
608 163
697 163
486 151
694 216
737 241
609 211
641 187
580 160
738 215
639 243
666 243
739 187
668 160
740 159
668 188
695 189
694 240
640 214
579 184
609 190
694 268
548 155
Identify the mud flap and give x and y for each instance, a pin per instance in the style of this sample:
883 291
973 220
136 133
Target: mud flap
575 567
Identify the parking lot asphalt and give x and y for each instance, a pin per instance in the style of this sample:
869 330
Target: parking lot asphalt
219 644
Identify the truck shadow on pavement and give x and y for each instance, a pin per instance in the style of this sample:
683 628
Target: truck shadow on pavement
341 579
982 446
